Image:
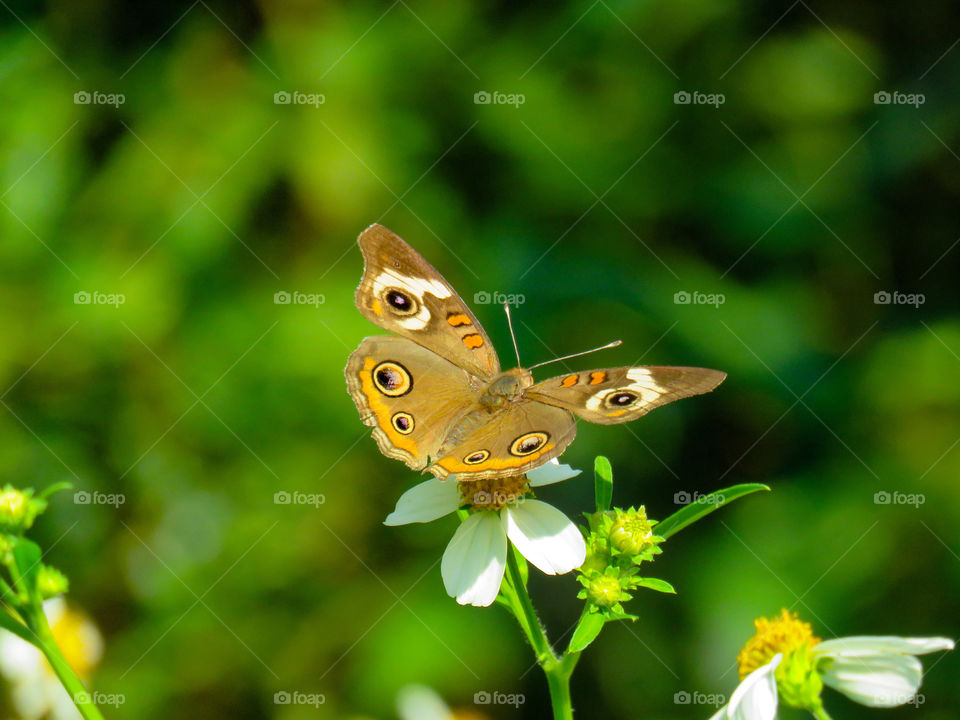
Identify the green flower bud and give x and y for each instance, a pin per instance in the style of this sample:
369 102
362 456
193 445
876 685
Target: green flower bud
51 582
631 532
18 509
604 590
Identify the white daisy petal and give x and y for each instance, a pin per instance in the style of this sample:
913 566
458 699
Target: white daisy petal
418 702
545 536
474 561
882 645
756 697
552 472
874 680
425 502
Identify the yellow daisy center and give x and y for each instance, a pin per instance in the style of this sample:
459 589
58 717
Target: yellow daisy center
783 634
494 493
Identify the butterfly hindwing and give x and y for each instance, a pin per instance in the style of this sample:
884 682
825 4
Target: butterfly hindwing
523 435
616 395
408 395
402 293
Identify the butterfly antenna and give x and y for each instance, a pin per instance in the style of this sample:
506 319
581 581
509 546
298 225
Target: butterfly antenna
613 344
506 308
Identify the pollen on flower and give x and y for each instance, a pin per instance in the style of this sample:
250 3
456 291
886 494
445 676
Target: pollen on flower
785 634
494 493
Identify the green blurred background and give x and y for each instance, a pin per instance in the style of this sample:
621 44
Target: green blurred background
597 199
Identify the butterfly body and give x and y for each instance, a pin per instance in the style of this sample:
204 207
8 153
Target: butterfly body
436 397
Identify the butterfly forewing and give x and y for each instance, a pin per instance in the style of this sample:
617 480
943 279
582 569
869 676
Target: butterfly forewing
401 292
615 395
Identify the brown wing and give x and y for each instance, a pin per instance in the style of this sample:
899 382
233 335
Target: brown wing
522 436
616 395
408 395
402 293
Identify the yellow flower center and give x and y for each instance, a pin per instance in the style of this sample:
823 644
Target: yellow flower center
783 634
12 503
494 493
79 640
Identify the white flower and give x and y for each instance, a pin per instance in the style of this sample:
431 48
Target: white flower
755 697
475 559
876 671
418 702
35 690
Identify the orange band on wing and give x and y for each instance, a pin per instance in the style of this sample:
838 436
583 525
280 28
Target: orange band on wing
458 319
569 381
597 377
380 409
472 341
453 465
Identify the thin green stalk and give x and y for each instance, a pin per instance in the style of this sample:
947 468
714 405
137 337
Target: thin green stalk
557 670
78 693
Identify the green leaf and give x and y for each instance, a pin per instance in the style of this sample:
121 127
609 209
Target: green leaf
55 488
689 514
27 555
587 630
603 483
654 584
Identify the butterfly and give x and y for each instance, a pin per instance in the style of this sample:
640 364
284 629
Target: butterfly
436 397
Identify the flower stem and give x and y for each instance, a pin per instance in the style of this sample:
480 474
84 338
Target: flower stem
557 670
819 713
78 693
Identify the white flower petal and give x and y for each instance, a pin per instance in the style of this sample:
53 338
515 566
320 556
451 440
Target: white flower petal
474 561
874 680
882 645
425 502
418 702
545 536
552 472
756 697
